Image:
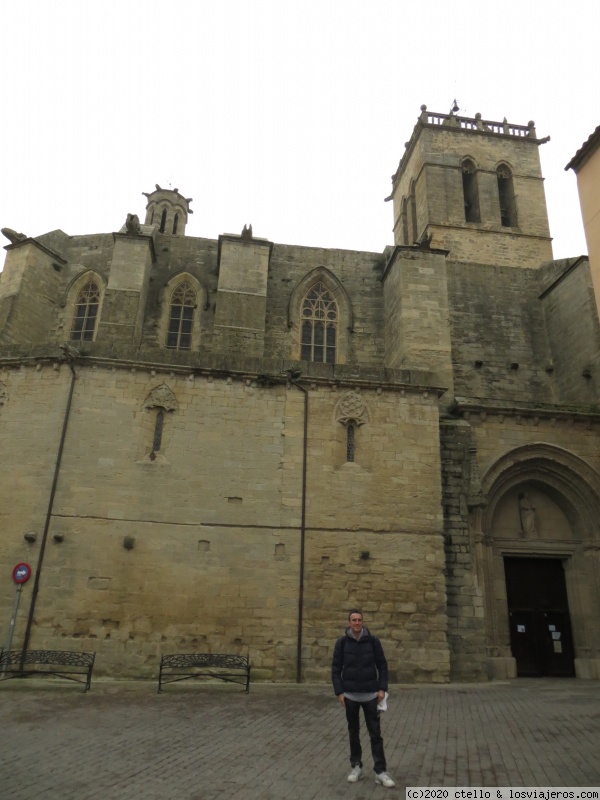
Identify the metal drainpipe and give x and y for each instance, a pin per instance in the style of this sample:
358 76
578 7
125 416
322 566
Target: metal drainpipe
302 532
38 571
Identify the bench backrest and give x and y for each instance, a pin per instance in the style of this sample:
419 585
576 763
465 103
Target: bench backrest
66 658
205 660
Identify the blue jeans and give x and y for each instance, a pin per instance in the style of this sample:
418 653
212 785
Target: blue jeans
372 720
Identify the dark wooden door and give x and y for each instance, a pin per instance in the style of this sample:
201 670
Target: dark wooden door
540 627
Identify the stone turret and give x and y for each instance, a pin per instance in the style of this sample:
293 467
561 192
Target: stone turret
473 187
168 210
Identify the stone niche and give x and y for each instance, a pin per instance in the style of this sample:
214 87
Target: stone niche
528 513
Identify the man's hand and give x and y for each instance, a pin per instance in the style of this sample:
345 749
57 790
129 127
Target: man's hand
380 695
342 699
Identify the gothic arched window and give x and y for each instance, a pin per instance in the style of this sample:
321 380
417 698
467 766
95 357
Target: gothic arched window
163 221
181 317
470 191
404 221
412 210
86 313
319 325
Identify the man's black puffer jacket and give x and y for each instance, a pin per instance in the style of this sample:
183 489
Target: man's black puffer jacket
359 665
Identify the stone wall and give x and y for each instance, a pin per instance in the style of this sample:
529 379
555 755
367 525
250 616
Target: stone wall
197 545
358 272
466 624
499 344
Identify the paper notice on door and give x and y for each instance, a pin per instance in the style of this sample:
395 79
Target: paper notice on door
557 646
551 627
556 635
520 628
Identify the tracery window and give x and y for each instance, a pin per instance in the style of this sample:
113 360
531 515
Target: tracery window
86 313
158 429
319 325
352 413
162 401
350 442
181 317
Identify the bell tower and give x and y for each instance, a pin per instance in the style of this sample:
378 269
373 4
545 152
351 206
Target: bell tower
475 188
167 210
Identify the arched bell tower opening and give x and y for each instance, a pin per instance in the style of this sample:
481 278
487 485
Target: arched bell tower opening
167 210
539 564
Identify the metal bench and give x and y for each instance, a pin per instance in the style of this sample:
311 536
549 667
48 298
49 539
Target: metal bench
181 666
61 663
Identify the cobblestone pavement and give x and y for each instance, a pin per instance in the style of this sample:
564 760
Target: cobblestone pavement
201 742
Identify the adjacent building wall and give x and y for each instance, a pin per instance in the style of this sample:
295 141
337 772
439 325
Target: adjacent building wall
586 164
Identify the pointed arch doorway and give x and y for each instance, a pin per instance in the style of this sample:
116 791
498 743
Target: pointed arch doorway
538 564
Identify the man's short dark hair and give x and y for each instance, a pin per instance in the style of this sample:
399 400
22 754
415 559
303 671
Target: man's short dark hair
354 611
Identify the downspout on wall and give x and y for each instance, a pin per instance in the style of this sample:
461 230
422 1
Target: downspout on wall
293 382
38 571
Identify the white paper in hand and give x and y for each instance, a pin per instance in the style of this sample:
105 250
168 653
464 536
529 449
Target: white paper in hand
382 704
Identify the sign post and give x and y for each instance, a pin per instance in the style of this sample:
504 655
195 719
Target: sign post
20 574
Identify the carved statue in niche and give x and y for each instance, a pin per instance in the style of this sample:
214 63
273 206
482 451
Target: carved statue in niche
527 515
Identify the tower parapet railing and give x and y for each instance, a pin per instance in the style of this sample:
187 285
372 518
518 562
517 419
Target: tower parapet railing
475 124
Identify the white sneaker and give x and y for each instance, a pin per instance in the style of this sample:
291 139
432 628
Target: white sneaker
385 779
355 774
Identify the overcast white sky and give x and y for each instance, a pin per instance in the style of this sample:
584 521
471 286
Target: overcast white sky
291 116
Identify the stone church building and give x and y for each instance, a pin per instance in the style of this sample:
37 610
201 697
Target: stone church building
224 445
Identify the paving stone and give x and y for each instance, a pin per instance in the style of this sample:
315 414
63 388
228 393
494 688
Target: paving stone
199 742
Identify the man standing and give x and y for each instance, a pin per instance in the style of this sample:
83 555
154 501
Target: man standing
359 675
